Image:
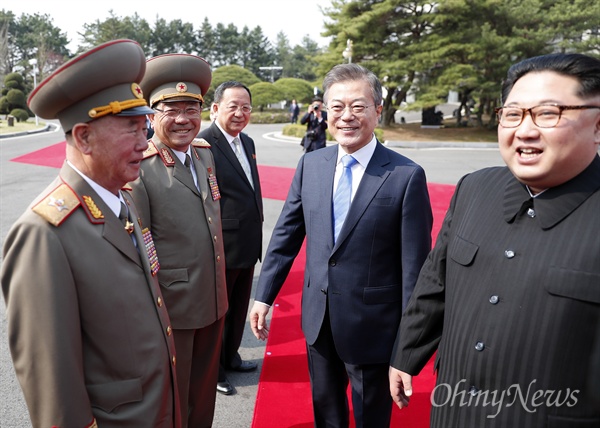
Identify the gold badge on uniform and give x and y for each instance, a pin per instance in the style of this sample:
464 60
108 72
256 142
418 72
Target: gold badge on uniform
151 251
214 186
94 210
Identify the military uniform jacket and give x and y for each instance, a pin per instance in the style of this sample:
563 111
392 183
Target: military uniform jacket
87 327
241 205
186 226
511 292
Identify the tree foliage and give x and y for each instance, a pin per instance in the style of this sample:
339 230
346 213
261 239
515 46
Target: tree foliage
265 93
421 50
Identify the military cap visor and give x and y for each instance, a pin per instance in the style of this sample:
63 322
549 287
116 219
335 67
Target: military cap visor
176 77
102 81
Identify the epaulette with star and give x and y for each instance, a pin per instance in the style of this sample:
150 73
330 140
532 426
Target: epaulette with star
59 204
151 150
201 142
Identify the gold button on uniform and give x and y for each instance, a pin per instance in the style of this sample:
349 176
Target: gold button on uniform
174 360
169 330
159 301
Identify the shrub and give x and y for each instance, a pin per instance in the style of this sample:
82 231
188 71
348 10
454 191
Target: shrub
20 114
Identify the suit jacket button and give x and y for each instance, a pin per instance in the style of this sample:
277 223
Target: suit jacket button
509 254
332 262
479 346
494 299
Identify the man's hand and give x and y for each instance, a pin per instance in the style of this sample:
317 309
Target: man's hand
258 320
400 387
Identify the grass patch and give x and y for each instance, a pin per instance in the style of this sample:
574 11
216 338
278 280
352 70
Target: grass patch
20 126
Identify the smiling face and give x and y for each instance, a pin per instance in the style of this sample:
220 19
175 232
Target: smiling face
352 131
229 110
547 157
112 149
178 131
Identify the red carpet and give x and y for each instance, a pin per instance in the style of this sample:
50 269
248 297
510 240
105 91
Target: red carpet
283 398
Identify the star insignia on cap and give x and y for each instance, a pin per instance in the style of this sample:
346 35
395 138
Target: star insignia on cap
181 87
137 90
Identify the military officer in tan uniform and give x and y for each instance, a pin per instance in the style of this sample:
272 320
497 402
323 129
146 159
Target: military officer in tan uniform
88 329
177 194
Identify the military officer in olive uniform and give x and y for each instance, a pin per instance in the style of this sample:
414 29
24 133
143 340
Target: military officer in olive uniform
87 325
178 195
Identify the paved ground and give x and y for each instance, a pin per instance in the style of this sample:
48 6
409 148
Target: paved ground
20 183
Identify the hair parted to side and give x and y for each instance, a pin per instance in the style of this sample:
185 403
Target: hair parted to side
227 85
584 68
353 72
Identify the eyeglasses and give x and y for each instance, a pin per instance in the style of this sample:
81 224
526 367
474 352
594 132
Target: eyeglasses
233 108
173 113
543 116
338 110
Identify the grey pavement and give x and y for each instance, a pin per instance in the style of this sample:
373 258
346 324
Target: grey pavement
20 183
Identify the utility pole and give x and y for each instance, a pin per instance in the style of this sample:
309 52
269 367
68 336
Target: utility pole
272 68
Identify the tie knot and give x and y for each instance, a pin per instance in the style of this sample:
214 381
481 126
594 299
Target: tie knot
348 161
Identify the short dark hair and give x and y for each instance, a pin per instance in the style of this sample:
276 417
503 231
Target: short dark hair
226 85
584 68
350 72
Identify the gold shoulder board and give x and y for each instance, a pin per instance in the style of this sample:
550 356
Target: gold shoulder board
58 205
151 150
201 142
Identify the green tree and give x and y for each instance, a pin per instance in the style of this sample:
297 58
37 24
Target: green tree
227 45
264 93
292 88
114 27
31 41
386 35
207 42
13 93
226 73
171 37
255 50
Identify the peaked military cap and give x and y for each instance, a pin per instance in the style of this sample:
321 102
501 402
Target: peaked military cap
176 77
102 81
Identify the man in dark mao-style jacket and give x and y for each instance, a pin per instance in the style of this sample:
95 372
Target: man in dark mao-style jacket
510 295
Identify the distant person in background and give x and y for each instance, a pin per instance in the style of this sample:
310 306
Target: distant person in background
241 215
316 125
294 111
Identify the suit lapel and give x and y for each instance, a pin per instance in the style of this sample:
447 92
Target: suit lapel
221 143
325 168
373 178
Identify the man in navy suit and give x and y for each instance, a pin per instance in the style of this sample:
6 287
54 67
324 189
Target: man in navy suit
241 215
356 284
